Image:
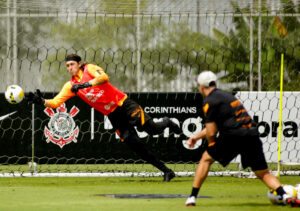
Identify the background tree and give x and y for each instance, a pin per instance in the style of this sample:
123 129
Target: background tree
230 50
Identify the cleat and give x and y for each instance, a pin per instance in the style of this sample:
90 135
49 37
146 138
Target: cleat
191 201
168 176
294 202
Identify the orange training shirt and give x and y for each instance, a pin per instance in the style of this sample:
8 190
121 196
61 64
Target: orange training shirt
103 96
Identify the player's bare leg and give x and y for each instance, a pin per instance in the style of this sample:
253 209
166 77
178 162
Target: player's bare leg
273 183
200 176
269 179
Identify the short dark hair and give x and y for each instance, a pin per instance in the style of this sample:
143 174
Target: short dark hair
73 57
212 83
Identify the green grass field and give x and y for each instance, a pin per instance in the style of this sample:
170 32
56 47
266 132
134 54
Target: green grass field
228 193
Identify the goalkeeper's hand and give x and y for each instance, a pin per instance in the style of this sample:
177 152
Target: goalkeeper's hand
35 98
75 87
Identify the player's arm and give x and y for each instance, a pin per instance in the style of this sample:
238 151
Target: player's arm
64 94
210 112
196 137
211 132
98 74
99 77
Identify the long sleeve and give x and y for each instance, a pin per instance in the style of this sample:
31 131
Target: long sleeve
98 73
64 94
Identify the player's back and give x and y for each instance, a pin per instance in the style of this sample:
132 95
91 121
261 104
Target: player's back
228 112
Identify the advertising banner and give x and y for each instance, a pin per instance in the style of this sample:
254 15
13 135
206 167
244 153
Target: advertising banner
73 133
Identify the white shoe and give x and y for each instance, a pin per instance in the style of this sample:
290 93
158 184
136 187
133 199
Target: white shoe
191 201
281 200
285 198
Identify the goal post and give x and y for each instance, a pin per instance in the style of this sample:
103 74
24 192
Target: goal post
280 113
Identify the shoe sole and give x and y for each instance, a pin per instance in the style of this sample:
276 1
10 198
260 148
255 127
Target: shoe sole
190 205
170 178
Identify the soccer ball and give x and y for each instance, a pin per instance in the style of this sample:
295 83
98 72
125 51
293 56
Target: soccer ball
298 191
290 190
14 94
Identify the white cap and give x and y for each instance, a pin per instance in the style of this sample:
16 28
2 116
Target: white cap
206 77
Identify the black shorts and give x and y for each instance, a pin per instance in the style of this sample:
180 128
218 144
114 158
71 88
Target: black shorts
249 147
124 118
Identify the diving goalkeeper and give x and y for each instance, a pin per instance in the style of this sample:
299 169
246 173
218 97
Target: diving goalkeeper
91 84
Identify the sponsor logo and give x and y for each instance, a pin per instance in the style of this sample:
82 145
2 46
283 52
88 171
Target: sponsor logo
61 128
189 127
170 110
193 125
93 95
109 105
289 128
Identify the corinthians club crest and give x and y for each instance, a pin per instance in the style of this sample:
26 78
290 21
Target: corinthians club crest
61 128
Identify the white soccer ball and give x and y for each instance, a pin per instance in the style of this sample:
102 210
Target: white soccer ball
290 190
298 191
14 94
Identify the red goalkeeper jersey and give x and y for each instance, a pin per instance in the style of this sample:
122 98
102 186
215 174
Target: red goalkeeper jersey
104 97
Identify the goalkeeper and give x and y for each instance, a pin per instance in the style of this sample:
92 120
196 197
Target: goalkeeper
229 131
91 84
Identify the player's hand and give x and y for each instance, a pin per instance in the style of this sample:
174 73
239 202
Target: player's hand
191 142
75 87
35 98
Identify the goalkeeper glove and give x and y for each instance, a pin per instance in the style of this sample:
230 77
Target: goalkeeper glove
75 88
35 98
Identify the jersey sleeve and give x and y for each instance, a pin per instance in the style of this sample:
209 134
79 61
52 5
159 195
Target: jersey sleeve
210 111
98 74
61 97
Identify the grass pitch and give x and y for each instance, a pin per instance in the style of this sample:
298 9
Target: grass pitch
228 193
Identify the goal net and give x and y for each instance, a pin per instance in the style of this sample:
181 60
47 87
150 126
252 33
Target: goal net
152 50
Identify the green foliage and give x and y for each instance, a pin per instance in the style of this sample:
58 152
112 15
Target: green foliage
171 48
114 48
273 44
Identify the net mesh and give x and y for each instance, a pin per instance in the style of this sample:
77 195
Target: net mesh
148 46
155 7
